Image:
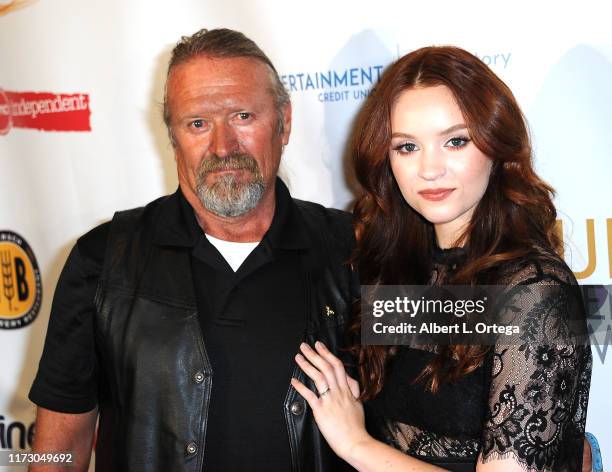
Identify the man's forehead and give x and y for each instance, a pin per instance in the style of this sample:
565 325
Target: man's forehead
222 71
207 85
195 103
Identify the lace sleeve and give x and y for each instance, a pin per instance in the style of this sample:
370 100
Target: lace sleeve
540 386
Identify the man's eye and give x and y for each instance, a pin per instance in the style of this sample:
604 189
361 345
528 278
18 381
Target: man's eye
197 123
406 148
244 115
457 142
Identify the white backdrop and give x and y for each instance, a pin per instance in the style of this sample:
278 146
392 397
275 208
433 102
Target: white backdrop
97 68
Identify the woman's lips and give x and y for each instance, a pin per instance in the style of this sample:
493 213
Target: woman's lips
436 194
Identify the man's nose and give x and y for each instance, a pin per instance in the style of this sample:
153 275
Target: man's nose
432 165
223 140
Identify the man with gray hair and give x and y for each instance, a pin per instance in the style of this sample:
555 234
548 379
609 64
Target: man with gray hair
176 324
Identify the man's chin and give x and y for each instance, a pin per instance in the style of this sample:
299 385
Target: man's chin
228 211
231 199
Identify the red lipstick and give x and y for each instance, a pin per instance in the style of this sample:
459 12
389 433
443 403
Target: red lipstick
435 194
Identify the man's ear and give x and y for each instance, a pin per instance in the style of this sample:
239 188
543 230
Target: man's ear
286 123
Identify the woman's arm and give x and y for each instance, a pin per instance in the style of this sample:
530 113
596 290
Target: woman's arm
539 385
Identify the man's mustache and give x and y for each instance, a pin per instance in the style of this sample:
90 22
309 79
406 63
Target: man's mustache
235 161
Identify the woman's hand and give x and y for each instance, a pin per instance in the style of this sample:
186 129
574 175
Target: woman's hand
338 413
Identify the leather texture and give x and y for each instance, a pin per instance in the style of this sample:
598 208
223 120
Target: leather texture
152 355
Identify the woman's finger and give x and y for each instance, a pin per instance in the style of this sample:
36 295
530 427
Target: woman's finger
311 371
335 363
321 364
306 393
354 386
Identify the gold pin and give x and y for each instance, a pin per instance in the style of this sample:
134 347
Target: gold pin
329 311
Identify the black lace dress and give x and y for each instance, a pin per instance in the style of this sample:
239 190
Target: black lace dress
527 402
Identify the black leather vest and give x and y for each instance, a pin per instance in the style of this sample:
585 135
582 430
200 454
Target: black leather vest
152 355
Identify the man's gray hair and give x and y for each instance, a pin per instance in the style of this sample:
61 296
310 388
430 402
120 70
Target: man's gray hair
223 43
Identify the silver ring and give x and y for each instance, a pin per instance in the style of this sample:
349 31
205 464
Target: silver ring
324 392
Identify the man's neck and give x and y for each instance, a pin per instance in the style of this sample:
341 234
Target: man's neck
249 227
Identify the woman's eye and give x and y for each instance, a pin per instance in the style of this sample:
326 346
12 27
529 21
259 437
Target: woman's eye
406 148
457 142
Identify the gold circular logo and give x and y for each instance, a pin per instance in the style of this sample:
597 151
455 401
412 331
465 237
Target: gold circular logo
21 287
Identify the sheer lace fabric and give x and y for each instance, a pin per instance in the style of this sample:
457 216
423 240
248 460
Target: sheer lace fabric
527 402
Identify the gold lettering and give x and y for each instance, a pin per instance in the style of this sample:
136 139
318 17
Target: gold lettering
591 254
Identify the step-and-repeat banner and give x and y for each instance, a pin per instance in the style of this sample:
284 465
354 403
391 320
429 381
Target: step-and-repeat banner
81 133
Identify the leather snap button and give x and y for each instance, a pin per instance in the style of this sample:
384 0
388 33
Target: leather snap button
297 408
191 448
198 377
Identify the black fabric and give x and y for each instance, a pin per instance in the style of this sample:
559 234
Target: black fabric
526 402
68 374
236 311
134 350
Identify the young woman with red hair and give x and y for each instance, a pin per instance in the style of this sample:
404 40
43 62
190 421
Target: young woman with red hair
450 197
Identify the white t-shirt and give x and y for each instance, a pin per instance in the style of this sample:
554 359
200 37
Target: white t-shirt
234 253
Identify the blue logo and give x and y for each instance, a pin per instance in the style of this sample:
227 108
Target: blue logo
335 85
495 60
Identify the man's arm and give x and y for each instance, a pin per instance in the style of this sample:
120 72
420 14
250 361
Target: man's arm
64 432
66 386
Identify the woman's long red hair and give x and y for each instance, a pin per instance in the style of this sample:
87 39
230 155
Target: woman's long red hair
515 217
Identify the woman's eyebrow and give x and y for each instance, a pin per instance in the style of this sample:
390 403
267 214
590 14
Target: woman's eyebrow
459 126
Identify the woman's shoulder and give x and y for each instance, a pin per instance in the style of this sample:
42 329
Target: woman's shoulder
539 267
540 294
